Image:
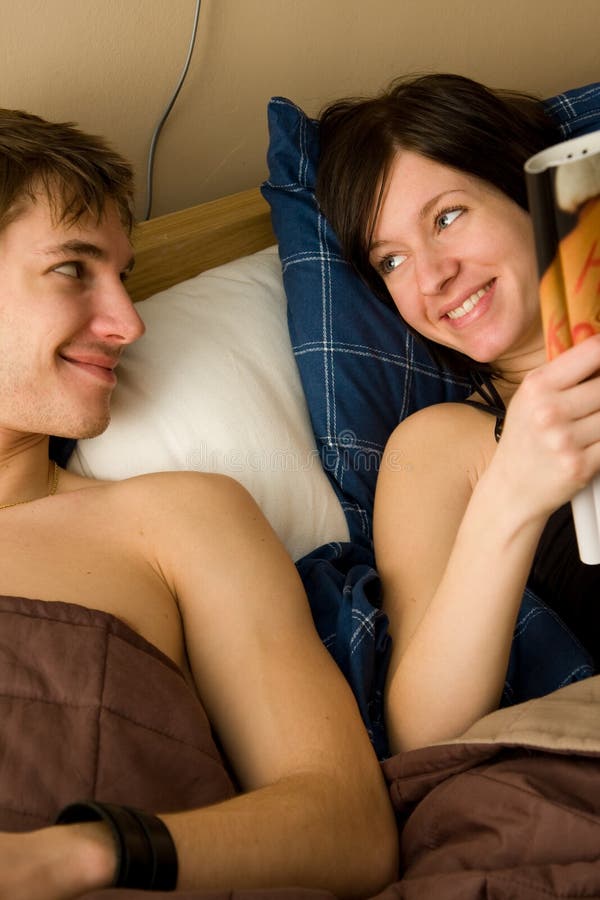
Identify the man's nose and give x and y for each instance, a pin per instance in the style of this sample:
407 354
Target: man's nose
116 317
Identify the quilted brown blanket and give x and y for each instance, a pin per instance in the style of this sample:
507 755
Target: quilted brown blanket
89 709
509 810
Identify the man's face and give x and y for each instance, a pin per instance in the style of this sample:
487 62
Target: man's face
65 318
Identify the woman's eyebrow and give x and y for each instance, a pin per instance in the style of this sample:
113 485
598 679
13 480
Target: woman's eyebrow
423 213
435 200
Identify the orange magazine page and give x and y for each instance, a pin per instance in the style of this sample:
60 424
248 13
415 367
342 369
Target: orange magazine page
563 187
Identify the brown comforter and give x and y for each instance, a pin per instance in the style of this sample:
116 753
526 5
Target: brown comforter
510 810
91 710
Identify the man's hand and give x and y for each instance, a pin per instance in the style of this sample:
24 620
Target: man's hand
57 863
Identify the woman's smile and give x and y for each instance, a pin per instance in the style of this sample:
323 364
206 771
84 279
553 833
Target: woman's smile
471 302
457 257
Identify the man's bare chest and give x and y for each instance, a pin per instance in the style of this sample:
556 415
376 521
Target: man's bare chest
52 554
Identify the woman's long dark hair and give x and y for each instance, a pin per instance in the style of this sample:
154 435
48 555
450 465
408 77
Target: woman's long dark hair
447 118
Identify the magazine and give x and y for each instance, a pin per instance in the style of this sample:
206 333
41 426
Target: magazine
563 186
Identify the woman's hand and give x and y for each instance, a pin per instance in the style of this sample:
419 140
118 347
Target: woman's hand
550 446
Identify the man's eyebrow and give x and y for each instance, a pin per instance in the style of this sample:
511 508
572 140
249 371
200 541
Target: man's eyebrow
83 248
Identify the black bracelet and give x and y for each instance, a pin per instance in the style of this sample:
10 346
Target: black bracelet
146 854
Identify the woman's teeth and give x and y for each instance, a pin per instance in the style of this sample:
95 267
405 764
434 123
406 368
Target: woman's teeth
469 304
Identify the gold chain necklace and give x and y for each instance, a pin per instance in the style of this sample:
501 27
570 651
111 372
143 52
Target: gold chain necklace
53 477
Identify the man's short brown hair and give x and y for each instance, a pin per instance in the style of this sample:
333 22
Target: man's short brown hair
76 172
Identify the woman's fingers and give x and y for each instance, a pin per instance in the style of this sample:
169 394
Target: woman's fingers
583 399
575 365
550 446
564 392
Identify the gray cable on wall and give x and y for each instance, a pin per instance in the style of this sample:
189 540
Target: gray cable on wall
167 110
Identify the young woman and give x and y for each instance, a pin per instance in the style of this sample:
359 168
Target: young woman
424 187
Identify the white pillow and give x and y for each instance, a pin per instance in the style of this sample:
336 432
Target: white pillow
213 386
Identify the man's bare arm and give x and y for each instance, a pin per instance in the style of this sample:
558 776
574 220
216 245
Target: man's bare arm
317 812
314 809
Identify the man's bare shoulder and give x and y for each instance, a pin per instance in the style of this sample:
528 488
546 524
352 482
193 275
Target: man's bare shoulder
174 486
164 501
183 481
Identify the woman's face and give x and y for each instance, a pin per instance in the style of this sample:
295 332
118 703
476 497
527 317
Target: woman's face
458 259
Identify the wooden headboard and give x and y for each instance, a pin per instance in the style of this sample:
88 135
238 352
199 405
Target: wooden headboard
177 246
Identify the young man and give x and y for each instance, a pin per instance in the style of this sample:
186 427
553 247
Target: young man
183 561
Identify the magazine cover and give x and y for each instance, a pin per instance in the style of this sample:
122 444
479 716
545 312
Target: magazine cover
563 186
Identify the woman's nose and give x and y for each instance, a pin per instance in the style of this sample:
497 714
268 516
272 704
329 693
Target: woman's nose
435 269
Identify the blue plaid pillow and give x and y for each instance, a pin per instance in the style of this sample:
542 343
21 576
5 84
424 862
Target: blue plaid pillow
576 111
361 370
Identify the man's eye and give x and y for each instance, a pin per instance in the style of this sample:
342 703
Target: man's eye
72 269
447 217
390 263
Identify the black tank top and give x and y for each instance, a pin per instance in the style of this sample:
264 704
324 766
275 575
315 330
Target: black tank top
558 577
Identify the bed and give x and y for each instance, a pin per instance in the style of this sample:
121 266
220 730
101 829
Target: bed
265 359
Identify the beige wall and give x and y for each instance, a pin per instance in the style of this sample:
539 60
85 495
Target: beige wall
111 65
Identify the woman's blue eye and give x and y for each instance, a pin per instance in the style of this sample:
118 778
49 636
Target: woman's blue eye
446 218
391 263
